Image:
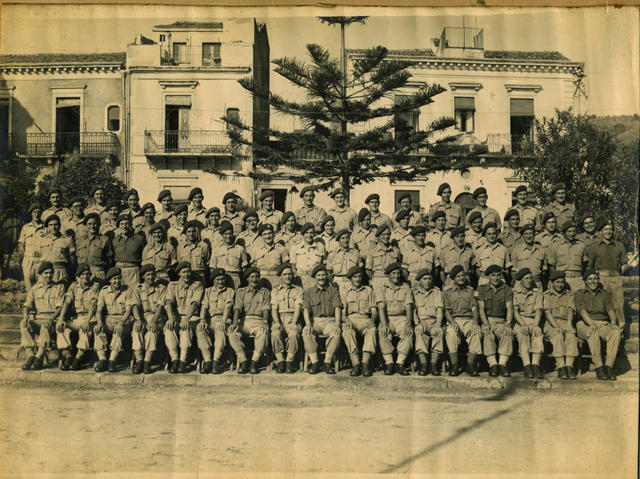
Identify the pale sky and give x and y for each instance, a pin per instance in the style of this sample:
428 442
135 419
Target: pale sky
605 39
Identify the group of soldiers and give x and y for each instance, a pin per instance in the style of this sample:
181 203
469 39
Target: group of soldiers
100 277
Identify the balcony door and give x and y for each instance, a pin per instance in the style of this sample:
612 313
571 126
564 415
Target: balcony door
176 121
67 125
4 128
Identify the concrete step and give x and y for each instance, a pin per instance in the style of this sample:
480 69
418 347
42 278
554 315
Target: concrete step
634 329
10 321
631 345
10 336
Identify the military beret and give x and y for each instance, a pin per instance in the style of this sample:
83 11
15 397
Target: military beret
353 270
94 216
479 191
318 239
95 189
250 271
305 189
45 265
547 216
113 204
284 266
586 217
474 216
286 216
251 213
372 196
182 265
131 192
146 268
195 191
338 190
82 267
416 230
381 229
306 227
215 272
438 214
510 213
229 196
568 224
604 223
266 194
225 226
423 272
163 194
490 224
179 209
522 273
34 206
156 226
457 231
326 219
265 227
76 199
213 209
528 226
342 232
520 189
455 271
113 272
403 214
317 268
404 197
588 273
165 224
556 187
494 268
392 267
192 224
55 191
443 187
363 213
50 218
146 206
557 274
122 217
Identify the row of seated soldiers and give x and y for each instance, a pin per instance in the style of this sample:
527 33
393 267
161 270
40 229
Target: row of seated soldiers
105 314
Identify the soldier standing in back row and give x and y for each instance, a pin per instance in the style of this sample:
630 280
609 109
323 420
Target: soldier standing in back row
377 218
267 214
310 213
93 248
344 216
383 254
453 212
28 242
528 214
561 209
56 208
489 215
405 205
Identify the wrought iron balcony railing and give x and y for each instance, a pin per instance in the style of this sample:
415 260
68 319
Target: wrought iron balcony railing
187 143
85 144
462 37
191 56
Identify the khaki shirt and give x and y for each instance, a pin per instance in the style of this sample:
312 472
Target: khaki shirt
473 239
402 238
197 214
30 236
45 299
510 238
359 300
379 219
304 256
452 255
313 215
76 226
285 298
488 254
528 256
568 256
251 241
558 304
563 213
415 258
439 239
253 302
197 254
452 211
330 242
116 302
427 302
268 258
460 302
528 215
82 298
63 213
57 249
341 260
345 217
489 215
236 219
163 256
152 297
272 218
527 302
212 236
232 258
94 250
183 295
288 239
364 240
381 257
396 298
414 218
217 300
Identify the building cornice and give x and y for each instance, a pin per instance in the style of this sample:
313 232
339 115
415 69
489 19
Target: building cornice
62 68
182 69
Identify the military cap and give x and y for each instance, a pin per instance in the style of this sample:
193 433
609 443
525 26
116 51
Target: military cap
547 216
474 216
372 196
265 227
557 274
213 209
94 216
568 224
146 206
250 271
305 189
146 268
556 187
132 192
113 204
423 272
494 268
286 216
95 189
82 267
416 230
179 209
604 223
156 226
165 224
343 231
459 230
404 197
510 213
392 267
215 272
50 218
55 190
438 214
182 265
402 214
113 272
318 239
123 216
195 191
192 223
326 219
283 267
45 265
229 196
76 199
34 206
490 224
306 227
363 213
528 226
520 189
443 187
225 226
381 229
338 190
163 194
588 273
266 194
522 273
455 271
353 270
479 191
250 213
317 268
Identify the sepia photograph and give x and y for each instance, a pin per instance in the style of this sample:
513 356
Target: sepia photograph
319 241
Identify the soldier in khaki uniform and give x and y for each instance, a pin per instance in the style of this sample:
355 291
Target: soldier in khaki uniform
306 255
59 249
196 210
377 218
215 316
344 216
549 238
453 212
211 234
473 235
267 214
74 225
230 256
528 214
195 252
108 219
527 311
97 203
360 316
569 256
489 215
457 253
418 255
153 295
231 214
269 256
253 305
56 208
428 320
144 222
528 254
405 205
288 234
93 248
510 234
183 301
341 260
166 207
559 328
383 254
159 252
588 231
401 236
43 304
439 236
250 236
175 230
286 313
491 252
363 237
132 198
28 244
561 209
310 213
395 309
328 237
118 305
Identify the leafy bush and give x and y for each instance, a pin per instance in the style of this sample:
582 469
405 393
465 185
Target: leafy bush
12 296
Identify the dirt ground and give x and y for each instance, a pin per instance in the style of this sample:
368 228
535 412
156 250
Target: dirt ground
143 431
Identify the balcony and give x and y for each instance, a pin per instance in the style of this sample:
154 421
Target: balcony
192 143
499 143
191 56
462 37
98 144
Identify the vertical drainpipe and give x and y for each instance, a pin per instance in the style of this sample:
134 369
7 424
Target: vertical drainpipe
125 101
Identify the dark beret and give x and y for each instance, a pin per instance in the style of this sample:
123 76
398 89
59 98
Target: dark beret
306 227
443 187
96 189
585 217
342 232
45 265
266 194
568 224
556 187
265 227
510 213
392 267
215 272
229 196
146 206
113 204
156 226
112 273
146 268
286 216
283 267
305 189
604 223
402 214
195 191
34 206
317 268
455 271
479 191
82 267
193 223
522 273
179 209
547 216
494 268
457 231
474 216
404 197
528 226
363 213
326 219
251 213
353 270
94 216
225 226
588 273
76 199
438 214
372 196
132 191
213 209
423 272
182 265
55 190
520 189
250 271
51 218
163 194
557 274
381 229
490 224
338 190
123 216
416 230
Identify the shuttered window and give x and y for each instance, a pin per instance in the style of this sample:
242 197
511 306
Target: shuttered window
464 108
522 107
464 103
178 100
113 118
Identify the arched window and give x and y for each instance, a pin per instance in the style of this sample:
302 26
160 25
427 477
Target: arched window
113 118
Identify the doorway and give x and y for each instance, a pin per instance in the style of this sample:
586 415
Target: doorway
67 125
279 198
